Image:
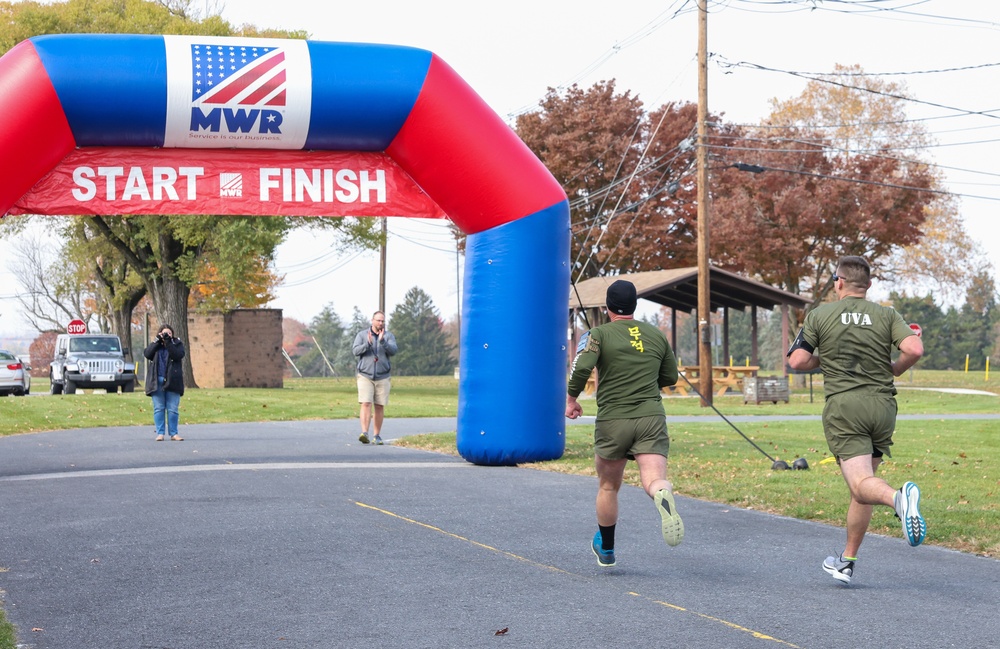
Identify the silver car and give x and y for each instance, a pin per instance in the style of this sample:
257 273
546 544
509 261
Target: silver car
14 375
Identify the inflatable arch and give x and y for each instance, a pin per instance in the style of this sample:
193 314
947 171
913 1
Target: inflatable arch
130 98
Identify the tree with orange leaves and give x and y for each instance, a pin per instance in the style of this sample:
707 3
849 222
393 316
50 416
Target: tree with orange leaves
827 178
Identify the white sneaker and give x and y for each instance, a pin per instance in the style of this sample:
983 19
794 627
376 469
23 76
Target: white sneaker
839 569
670 521
907 505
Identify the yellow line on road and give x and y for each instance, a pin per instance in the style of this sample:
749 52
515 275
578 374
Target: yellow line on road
731 625
462 538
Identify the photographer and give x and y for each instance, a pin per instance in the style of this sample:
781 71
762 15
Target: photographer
165 381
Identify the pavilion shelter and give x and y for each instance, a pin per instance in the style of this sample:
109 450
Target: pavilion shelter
677 289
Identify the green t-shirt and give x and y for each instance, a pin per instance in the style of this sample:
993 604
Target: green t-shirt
855 339
633 360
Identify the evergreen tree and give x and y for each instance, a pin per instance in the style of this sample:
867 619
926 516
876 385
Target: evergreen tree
687 339
938 325
740 336
328 330
951 335
423 343
360 322
770 352
976 322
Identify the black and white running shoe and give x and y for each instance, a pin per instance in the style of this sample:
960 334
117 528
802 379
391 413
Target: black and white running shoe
839 569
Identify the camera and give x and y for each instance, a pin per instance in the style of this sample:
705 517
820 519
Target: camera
164 336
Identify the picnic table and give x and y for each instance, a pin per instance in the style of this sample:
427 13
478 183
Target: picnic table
724 377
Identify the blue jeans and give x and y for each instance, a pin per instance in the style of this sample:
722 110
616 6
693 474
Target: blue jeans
165 403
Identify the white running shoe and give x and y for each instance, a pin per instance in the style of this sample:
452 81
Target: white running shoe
839 569
671 524
907 505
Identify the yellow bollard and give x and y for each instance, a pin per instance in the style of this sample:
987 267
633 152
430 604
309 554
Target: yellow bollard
966 363
748 361
730 360
987 368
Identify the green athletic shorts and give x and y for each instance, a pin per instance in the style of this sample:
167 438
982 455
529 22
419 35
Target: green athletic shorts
859 424
615 439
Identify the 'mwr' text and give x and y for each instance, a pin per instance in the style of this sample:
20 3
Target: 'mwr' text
323 185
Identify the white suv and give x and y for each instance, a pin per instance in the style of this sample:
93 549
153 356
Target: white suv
90 361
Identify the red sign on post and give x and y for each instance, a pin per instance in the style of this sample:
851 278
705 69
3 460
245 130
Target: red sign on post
76 327
916 329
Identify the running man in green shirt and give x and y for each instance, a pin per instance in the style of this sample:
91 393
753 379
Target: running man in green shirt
853 340
633 361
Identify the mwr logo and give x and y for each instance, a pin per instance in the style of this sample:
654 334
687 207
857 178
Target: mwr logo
231 185
237 92
237 76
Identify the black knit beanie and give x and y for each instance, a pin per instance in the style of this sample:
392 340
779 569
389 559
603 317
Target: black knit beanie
621 297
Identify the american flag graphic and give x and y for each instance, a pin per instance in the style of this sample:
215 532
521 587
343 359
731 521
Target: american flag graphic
238 76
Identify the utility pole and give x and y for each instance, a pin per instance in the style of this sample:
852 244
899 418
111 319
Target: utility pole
381 265
704 288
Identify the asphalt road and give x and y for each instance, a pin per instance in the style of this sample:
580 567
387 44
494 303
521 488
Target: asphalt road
295 535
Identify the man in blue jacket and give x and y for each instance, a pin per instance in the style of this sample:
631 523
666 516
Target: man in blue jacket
373 347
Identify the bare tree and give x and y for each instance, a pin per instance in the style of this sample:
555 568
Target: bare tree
51 294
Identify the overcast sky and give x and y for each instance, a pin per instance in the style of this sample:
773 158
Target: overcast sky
511 52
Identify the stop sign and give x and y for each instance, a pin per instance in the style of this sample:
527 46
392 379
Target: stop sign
76 327
916 329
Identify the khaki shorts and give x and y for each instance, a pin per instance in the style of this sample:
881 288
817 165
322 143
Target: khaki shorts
859 424
376 392
616 439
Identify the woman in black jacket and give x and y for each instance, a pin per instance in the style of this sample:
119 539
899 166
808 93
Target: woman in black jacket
165 381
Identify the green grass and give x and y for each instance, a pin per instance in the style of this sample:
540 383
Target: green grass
910 402
953 461
300 399
8 638
416 397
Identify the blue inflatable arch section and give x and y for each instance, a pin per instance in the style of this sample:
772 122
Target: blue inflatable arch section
68 91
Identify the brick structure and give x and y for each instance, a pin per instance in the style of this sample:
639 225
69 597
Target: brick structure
236 349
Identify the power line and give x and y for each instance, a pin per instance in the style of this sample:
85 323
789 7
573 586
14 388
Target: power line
423 245
866 152
635 37
762 168
862 73
821 79
872 155
652 138
898 122
324 272
867 8
653 165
